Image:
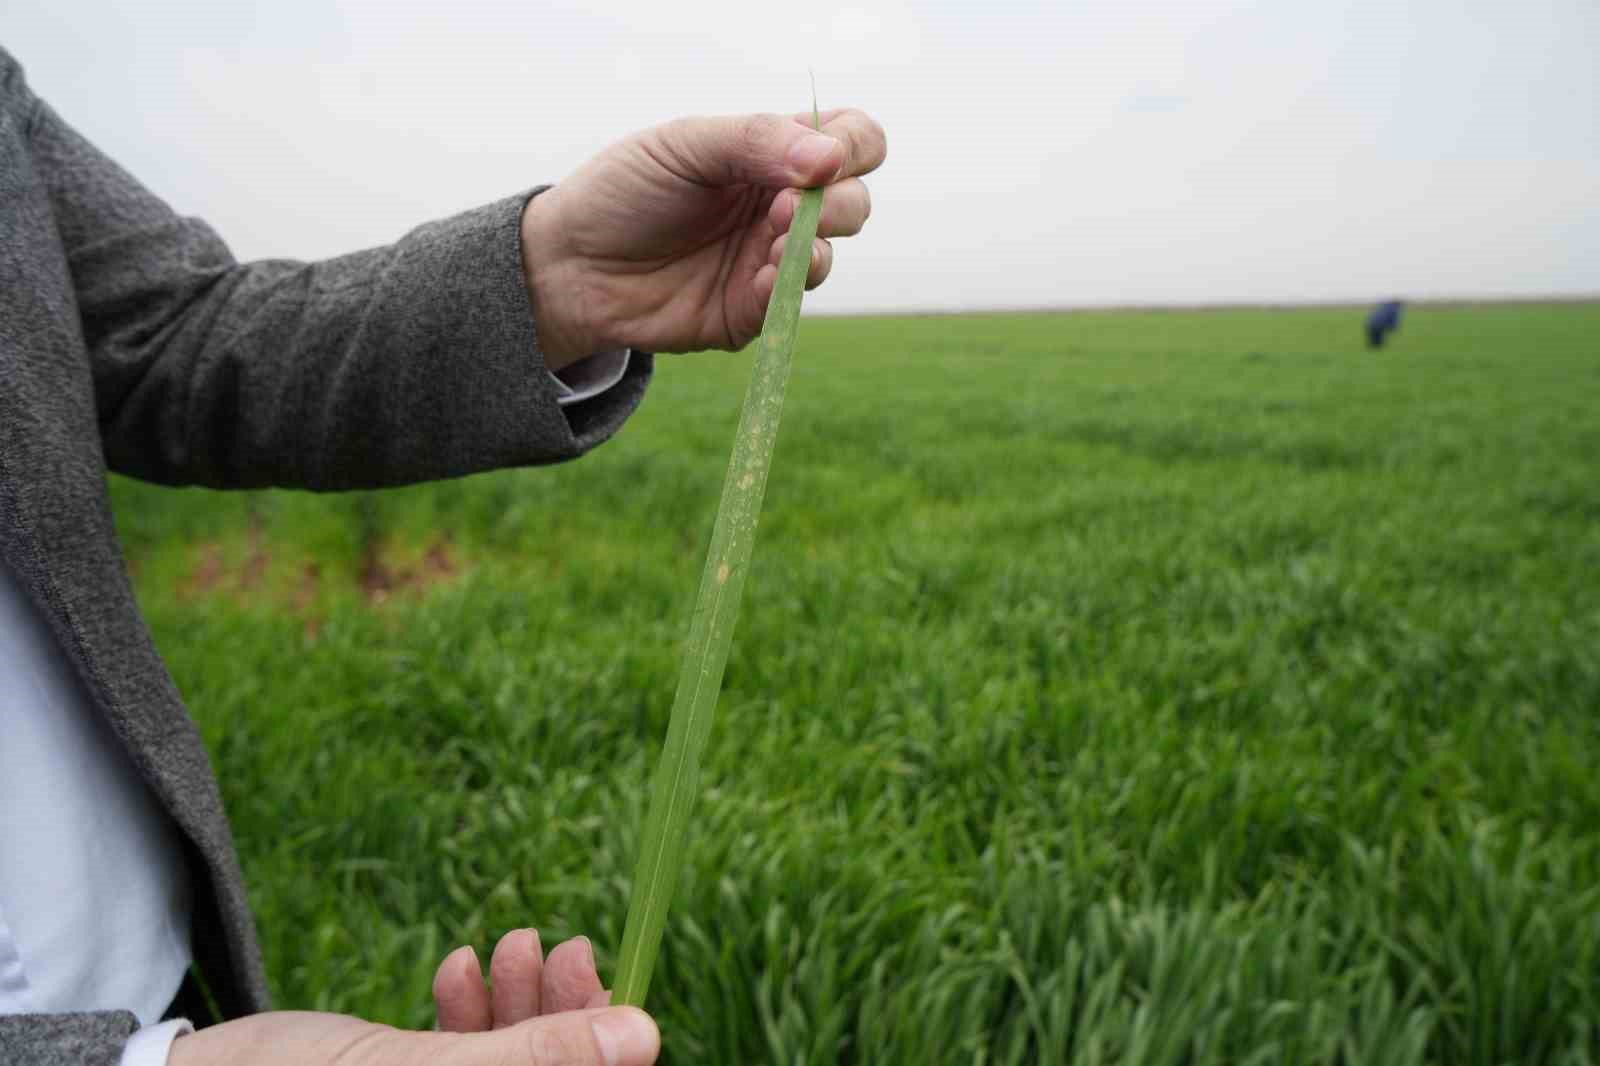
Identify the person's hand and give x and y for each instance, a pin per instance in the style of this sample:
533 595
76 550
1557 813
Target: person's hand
541 1011
525 984
669 240
608 1036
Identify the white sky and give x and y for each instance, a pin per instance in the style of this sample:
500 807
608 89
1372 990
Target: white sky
1124 151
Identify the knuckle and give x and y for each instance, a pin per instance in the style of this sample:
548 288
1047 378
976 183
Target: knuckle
562 1045
754 133
859 206
871 139
676 131
672 142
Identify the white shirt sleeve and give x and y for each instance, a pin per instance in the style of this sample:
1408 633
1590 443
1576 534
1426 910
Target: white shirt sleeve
588 378
150 1045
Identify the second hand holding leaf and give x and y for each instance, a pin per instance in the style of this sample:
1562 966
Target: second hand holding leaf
667 241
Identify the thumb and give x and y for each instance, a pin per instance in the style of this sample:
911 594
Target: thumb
608 1036
775 151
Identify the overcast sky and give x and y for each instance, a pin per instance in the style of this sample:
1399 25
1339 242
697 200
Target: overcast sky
1115 152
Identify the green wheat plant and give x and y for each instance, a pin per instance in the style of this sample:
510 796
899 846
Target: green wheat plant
716 612
1180 758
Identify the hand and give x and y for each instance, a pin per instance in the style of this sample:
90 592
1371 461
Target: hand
669 240
541 1012
610 1036
525 983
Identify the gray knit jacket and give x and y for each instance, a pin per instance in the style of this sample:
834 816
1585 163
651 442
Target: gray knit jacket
130 340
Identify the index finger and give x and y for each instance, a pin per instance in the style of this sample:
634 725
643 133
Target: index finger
459 996
865 145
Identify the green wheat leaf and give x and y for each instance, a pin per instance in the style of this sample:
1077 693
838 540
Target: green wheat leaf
716 611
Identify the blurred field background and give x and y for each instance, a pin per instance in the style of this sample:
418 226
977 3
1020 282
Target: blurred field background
1178 687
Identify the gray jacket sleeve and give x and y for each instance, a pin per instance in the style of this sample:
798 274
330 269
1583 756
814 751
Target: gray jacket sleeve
93 1039
409 362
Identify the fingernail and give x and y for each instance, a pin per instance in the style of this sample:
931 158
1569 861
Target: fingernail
450 960
588 946
811 152
538 944
626 1035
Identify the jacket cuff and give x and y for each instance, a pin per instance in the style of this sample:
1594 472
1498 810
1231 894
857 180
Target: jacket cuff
475 393
82 1039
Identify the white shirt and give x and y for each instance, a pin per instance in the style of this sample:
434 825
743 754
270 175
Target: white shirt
94 904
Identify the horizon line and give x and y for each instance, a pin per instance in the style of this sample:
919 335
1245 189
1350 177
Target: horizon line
1441 302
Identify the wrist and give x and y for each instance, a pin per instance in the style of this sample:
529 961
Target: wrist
555 296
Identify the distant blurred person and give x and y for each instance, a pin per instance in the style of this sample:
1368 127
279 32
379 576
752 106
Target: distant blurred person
1384 320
